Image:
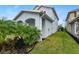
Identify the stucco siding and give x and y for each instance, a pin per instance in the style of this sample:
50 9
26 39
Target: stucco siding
73 28
48 28
35 16
55 26
77 13
71 17
49 12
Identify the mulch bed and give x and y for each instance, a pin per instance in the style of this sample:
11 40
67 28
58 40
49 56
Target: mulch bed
24 50
16 47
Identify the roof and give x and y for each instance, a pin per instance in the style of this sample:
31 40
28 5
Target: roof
47 7
39 6
74 10
23 11
34 11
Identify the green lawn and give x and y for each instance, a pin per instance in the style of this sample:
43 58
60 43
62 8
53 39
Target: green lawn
58 43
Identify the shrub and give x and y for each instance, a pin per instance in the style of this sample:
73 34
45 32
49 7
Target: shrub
61 28
30 34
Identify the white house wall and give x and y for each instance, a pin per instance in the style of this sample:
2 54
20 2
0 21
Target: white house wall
48 28
55 26
38 21
49 12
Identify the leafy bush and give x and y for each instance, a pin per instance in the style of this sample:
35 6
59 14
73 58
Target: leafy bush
61 28
30 34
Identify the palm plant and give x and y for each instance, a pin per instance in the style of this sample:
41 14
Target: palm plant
29 33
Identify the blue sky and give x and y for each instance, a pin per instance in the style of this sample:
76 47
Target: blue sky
10 11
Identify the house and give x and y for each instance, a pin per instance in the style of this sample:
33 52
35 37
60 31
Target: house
42 17
72 22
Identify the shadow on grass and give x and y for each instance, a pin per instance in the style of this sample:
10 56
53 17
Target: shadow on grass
74 37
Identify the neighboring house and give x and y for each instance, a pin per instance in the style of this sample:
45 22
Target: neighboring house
72 22
42 17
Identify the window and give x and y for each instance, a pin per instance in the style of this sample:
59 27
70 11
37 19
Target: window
30 21
19 21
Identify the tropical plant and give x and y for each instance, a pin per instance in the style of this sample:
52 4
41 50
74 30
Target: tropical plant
29 33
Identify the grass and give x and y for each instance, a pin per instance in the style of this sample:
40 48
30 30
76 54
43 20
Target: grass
58 43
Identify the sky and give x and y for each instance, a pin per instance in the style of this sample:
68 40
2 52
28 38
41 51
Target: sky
10 11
